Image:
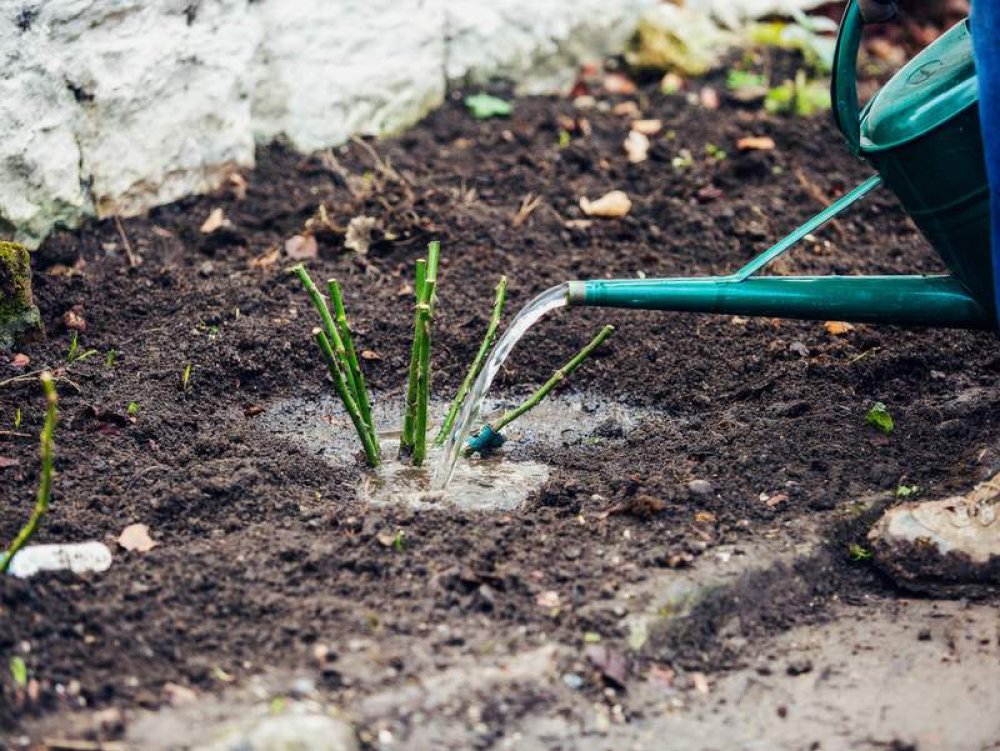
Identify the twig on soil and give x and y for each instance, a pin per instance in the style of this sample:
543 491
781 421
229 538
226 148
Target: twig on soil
528 204
477 363
45 483
817 194
490 438
133 258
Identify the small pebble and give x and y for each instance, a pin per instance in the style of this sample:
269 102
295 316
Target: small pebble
701 488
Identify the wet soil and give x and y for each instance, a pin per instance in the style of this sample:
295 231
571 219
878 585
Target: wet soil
265 552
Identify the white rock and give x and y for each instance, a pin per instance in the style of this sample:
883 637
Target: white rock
78 557
114 106
289 732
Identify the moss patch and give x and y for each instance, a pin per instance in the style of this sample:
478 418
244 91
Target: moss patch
18 314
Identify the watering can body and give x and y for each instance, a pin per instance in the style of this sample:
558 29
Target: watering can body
921 132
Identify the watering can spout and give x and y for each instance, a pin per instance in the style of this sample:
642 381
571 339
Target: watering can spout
900 300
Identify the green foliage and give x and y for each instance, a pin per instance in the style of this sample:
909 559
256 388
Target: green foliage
737 80
399 541
19 671
485 106
132 409
75 354
905 491
186 377
683 160
880 419
17 418
715 152
859 553
111 357
804 35
564 139
800 97
44 494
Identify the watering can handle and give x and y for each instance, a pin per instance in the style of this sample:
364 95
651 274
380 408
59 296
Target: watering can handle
844 87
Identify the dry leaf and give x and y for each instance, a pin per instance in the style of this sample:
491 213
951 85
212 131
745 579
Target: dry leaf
580 224
8 461
629 109
268 259
359 234
135 537
301 247
755 143
616 83
177 695
775 500
74 321
704 517
367 354
700 683
838 328
20 361
610 662
709 98
548 599
613 205
636 146
239 185
216 220
647 127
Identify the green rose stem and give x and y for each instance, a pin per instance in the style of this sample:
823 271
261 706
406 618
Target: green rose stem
477 363
333 336
340 384
425 314
361 392
45 483
410 403
558 377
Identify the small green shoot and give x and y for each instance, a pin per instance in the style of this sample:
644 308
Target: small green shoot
715 152
564 139
880 419
110 357
800 97
74 354
19 671
186 377
737 80
485 106
859 553
45 481
905 491
17 418
132 409
683 160
399 541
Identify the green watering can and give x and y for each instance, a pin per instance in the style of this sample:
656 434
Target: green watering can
921 133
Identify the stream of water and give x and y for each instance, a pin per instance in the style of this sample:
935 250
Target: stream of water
530 314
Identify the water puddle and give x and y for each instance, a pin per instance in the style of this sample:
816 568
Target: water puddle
499 482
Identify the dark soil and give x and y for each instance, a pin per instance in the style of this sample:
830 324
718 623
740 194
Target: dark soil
264 551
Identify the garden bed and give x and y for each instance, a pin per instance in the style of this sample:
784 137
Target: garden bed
265 551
